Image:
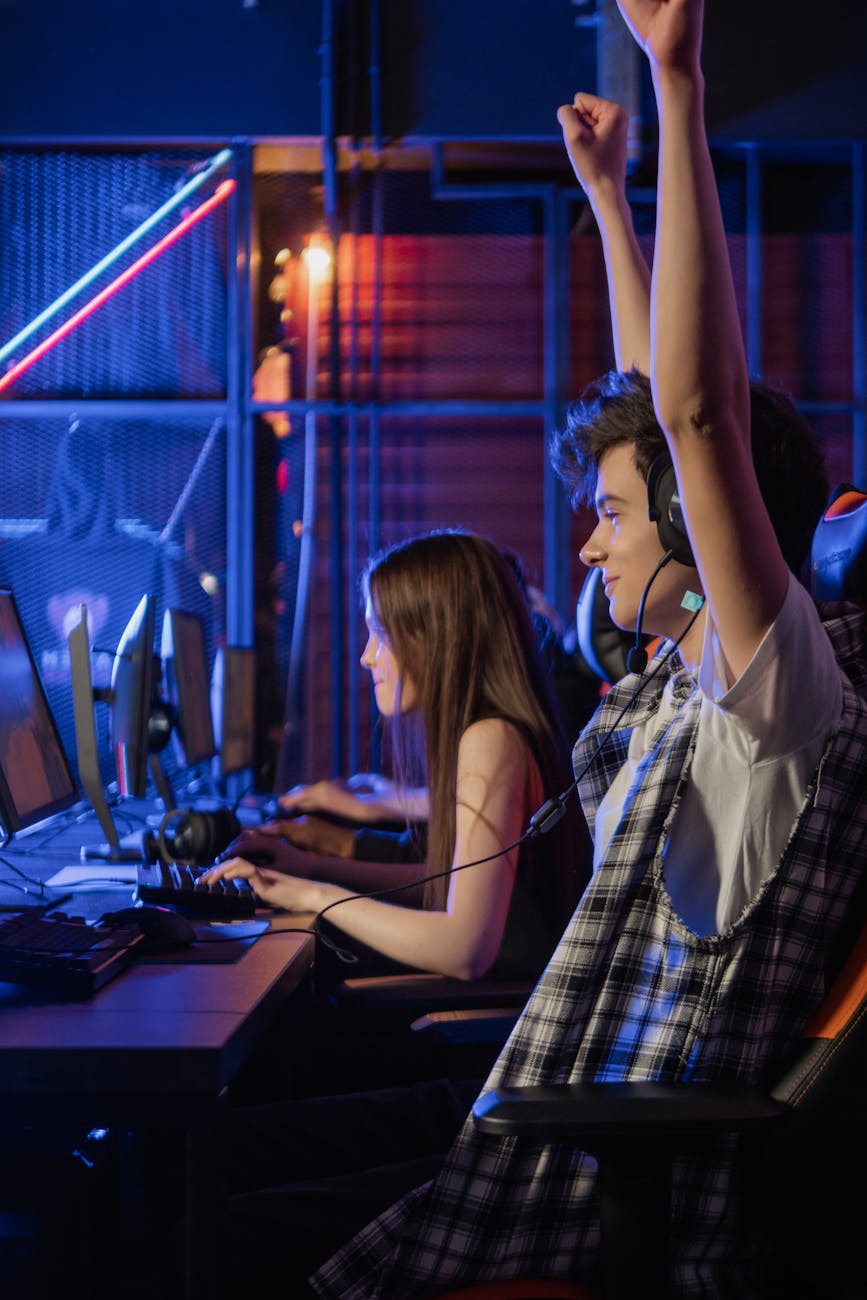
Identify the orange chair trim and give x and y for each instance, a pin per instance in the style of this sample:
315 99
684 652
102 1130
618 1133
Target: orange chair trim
844 503
846 995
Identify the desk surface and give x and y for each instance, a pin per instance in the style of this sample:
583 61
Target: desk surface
155 1029
178 1030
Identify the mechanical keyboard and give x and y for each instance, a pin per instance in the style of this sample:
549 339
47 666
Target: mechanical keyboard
179 885
63 955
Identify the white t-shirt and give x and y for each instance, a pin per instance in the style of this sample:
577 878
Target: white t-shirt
758 745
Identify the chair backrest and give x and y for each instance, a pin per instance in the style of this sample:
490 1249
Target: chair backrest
834 1041
838 559
811 1191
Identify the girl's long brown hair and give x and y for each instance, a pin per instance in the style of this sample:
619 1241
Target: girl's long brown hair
458 623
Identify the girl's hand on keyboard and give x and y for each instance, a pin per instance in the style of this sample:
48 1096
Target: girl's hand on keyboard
274 888
265 847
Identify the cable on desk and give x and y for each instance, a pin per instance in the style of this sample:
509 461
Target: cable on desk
22 875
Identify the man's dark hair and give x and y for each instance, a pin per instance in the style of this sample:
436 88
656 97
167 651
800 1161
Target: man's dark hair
618 409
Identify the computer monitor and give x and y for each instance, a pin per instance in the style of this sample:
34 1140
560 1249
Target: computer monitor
36 779
233 705
83 700
185 667
132 680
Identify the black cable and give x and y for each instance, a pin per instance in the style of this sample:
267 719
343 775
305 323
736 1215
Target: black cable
636 659
22 875
53 901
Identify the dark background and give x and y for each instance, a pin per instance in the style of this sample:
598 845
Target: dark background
186 68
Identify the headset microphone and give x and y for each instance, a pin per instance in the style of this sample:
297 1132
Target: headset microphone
636 659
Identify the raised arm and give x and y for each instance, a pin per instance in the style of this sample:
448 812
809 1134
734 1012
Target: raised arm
698 365
594 132
497 781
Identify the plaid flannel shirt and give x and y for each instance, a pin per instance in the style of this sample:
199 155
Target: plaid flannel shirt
632 994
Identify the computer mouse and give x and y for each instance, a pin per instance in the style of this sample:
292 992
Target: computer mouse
161 927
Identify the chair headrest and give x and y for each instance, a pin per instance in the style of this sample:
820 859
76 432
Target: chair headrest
602 643
838 559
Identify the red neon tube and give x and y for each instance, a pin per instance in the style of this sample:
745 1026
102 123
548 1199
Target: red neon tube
223 190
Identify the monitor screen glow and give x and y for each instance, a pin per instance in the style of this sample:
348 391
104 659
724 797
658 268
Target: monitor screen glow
233 703
36 779
185 662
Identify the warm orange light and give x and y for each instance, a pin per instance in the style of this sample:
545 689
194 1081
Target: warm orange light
317 258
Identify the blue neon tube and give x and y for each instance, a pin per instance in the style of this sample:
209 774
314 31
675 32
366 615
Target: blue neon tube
213 164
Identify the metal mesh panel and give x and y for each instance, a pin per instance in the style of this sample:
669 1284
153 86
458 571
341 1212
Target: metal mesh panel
807 325
280 585
99 512
163 333
93 510
590 351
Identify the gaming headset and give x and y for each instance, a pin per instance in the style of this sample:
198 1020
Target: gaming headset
663 505
196 837
608 650
664 508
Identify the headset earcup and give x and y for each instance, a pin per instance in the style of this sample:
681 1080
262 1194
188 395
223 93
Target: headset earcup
199 836
663 503
202 835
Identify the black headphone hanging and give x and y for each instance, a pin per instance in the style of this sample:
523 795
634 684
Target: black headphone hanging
664 508
196 837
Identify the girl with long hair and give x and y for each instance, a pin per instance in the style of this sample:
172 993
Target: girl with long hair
456 668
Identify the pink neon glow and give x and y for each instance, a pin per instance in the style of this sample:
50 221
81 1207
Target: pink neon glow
223 190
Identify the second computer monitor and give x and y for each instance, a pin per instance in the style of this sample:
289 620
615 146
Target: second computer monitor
185 664
84 699
233 705
132 679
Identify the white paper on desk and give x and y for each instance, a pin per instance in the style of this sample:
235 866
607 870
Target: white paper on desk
94 877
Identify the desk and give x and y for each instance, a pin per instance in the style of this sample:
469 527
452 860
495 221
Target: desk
153 1049
178 1030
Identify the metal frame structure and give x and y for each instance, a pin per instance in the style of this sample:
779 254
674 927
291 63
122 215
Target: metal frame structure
342 414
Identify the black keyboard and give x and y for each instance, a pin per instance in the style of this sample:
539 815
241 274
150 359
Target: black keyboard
180 885
63 955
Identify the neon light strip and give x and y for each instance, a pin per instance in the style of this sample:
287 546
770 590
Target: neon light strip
220 193
213 164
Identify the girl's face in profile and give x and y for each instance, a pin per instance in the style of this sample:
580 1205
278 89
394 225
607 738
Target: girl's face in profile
394 694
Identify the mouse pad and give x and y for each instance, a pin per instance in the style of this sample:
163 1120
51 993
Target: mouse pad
226 942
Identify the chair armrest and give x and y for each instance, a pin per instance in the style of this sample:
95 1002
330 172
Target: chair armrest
585 1111
423 992
476 1025
633 1130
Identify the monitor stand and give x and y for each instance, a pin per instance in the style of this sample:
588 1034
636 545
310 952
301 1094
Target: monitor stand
128 849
